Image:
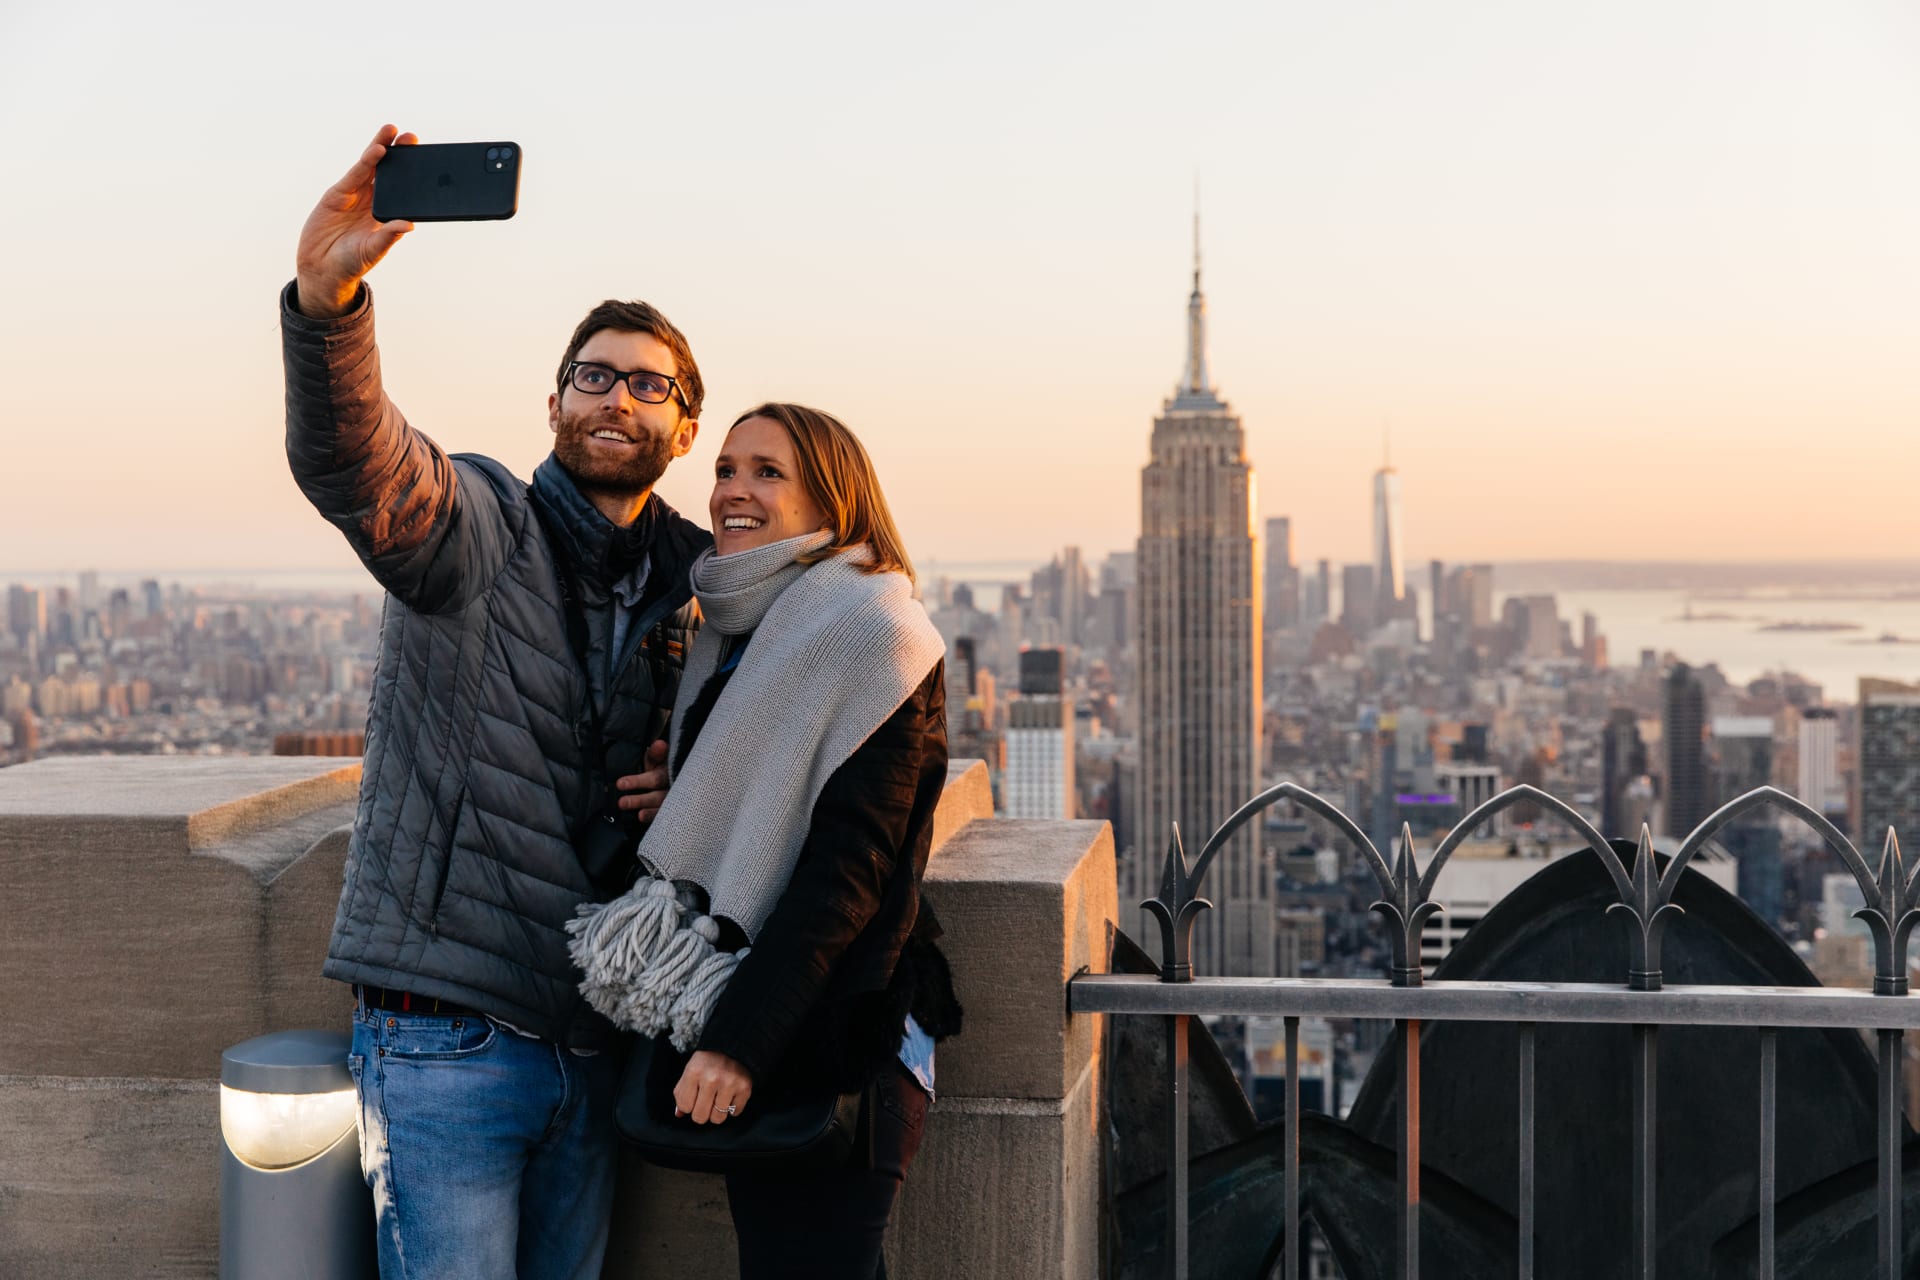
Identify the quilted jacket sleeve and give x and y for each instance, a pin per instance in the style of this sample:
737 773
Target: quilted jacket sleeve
858 833
430 540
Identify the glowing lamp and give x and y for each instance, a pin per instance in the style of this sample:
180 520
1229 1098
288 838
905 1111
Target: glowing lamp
270 1131
292 1198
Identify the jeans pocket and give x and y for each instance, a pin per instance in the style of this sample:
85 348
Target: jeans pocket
410 1037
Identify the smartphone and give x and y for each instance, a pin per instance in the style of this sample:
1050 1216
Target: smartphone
448 182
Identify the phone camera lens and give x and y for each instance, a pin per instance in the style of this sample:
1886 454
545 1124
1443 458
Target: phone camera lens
506 153
493 153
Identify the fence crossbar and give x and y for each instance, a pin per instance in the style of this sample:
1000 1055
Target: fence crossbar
1591 1002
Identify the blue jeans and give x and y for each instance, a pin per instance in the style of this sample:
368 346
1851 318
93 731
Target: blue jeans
490 1153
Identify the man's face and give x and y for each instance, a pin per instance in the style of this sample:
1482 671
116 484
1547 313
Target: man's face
613 443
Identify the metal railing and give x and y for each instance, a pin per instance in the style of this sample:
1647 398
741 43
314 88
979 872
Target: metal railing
1645 902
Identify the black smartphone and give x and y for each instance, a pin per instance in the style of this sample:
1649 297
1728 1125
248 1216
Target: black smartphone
448 182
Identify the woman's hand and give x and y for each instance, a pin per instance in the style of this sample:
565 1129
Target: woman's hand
713 1088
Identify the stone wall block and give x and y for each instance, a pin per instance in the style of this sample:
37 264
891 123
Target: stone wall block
300 906
1028 1176
669 1223
1025 904
968 797
109 1178
137 893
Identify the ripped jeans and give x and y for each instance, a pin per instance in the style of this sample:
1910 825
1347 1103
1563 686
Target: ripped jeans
491 1154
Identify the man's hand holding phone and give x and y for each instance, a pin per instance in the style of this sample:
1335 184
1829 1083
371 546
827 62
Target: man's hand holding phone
341 241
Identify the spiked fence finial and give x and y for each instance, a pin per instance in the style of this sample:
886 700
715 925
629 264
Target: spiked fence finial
1175 910
1406 909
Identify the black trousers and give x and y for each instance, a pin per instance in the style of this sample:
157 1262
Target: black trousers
829 1226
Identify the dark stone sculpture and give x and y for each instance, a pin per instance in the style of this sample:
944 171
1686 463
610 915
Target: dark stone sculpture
1555 928
1348 1188
1136 1065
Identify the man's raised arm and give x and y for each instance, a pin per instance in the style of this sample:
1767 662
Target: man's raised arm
391 490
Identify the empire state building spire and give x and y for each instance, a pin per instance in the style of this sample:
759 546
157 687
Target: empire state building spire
1197 644
1196 388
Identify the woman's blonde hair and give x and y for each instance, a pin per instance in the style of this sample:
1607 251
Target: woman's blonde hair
839 477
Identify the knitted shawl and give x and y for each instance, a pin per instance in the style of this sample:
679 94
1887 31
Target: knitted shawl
835 651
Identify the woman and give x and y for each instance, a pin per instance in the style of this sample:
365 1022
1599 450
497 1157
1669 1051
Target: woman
777 931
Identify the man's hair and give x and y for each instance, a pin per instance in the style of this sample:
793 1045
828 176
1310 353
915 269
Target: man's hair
639 317
839 477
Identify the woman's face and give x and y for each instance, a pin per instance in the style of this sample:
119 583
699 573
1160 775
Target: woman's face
757 494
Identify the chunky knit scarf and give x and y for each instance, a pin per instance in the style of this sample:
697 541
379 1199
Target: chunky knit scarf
835 651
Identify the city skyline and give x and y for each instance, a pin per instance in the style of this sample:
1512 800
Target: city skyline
1598 255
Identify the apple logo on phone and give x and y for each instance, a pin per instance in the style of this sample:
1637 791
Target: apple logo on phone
446 179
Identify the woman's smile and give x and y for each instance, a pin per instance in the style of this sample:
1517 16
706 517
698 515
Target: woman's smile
758 497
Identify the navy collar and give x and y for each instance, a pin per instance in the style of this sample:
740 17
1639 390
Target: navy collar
595 547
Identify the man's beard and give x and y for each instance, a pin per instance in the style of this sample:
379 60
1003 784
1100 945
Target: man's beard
597 473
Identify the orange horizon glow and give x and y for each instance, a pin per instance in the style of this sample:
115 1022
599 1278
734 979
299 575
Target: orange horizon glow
1627 285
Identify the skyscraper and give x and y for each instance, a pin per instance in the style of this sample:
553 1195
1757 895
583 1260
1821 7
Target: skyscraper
1889 765
26 613
1282 577
1039 777
1820 760
1742 761
1320 593
1060 592
1623 762
1480 595
1358 600
1199 661
1742 756
1684 723
1389 562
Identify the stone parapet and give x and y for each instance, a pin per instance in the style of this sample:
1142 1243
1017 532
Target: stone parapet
153 913
156 911
159 910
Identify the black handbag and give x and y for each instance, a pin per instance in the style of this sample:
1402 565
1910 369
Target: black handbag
777 1132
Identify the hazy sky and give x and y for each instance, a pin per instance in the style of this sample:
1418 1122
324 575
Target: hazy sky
1627 280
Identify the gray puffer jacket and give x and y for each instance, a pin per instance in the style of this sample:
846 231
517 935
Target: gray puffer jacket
478 783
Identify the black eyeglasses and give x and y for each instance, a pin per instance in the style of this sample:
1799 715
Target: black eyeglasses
647 387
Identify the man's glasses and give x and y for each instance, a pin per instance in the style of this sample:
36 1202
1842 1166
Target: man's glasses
647 387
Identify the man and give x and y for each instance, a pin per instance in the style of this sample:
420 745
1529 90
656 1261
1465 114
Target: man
532 635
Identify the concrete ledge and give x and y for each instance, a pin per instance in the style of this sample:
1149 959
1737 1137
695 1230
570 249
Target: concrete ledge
1025 904
208 799
968 797
177 906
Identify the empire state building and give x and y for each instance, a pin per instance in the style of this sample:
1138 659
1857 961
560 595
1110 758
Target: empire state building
1198 640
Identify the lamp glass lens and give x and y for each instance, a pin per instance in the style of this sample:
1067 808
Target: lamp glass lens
280 1130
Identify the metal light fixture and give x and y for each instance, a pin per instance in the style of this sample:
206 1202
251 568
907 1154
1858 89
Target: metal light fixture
292 1198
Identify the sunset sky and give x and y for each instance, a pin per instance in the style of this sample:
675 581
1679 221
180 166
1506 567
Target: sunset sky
1631 281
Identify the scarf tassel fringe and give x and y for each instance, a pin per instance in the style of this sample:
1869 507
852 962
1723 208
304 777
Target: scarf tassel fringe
649 964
